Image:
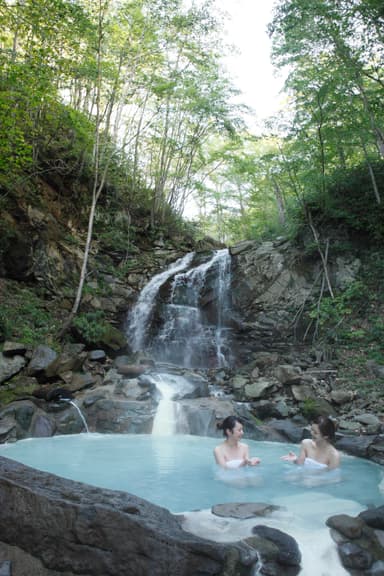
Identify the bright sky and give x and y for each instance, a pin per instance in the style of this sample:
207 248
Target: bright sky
251 70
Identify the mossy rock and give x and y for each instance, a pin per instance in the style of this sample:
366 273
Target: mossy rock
312 408
112 339
10 393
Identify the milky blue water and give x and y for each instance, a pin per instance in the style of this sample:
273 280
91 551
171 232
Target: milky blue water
178 472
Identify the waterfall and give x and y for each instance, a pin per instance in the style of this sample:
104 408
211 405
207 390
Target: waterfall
223 293
190 328
141 313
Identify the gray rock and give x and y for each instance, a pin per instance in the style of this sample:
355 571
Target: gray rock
368 419
289 552
7 428
374 517
81 530
65 362
242 247
346 271
97 356
290 431
265 360
80 380
357 445
238 382
23 414
13 348
341 397
113 416
287 374
348 526
301 392
349 427
42 426
376 449
243 510
360 545
199 416
42 357
264 409
10 365
260 388
354 557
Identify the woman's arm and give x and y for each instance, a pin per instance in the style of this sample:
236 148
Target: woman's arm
303 453
250 461
219 457
334 460
291 456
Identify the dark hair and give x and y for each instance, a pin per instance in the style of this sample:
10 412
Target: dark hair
327 427
228 424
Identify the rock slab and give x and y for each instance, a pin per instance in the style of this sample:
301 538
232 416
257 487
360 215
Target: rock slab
77 529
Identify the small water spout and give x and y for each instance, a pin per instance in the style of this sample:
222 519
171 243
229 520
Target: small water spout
68 401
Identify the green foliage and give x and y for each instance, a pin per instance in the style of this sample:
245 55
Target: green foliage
348 203
352 200
331 313
24 317
354 319
309 408
115 240
91 326
13 392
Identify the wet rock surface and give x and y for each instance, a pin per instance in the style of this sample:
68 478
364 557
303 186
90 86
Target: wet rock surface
72 528
360 540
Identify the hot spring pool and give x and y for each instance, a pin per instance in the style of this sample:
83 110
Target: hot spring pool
178 472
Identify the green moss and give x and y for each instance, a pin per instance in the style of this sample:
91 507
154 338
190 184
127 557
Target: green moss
10 395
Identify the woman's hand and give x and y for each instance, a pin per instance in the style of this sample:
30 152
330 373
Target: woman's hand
290 457
253 461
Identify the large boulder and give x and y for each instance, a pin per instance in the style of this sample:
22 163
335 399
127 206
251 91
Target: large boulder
360 540
76 529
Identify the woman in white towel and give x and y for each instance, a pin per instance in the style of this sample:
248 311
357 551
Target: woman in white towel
232 453
318 452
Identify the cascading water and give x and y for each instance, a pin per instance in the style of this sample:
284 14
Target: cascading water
169 386
140 317
180 318
188 327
